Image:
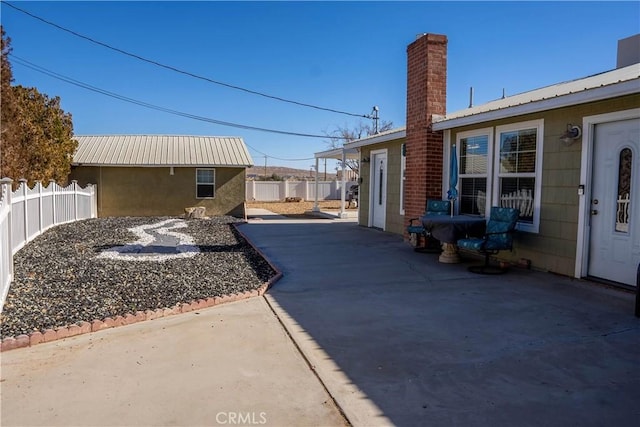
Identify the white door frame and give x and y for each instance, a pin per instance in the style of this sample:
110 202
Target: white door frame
586 173
372 169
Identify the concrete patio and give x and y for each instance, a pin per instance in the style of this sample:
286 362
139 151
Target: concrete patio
399 338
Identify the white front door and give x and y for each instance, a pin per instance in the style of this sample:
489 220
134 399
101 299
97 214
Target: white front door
379 189
614 243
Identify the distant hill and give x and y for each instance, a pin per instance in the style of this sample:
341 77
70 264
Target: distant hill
259 171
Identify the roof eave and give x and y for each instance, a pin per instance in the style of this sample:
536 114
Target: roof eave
336 153
628 87
116 165
377 139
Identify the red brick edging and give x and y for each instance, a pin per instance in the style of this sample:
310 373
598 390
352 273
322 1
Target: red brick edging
21 341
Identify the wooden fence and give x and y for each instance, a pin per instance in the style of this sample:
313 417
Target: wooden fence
28 212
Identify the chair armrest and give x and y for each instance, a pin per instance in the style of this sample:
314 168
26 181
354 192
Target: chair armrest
414 219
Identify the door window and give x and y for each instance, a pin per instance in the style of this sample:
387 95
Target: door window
624 191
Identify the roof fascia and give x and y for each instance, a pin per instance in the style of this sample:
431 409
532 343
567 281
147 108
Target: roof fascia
377 139
628 87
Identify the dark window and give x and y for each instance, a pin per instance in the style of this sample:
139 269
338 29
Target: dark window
205 183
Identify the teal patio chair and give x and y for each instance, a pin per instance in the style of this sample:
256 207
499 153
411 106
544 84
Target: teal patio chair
417 232
498 237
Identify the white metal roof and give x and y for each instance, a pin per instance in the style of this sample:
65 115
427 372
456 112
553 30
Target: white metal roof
161 150
610 84
350 148
336 153
389 135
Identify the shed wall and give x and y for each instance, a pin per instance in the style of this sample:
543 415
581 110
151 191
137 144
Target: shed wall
394 221
153 191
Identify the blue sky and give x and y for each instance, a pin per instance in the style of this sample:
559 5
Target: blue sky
347 56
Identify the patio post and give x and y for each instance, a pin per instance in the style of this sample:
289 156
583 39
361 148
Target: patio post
343 190
316 208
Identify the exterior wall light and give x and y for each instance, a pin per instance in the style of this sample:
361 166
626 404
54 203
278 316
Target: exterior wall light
572 134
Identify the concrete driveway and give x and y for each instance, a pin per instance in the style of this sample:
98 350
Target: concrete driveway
232 364
398 338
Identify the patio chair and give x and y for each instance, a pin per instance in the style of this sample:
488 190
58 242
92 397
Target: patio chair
417 232
498 237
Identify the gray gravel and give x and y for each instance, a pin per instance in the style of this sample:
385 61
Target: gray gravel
61 279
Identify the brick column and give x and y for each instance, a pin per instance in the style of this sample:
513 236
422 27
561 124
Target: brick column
426 95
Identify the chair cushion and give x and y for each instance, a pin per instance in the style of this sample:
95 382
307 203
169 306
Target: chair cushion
415 229
438 207
499 232
509 215
501 223
499 241
479 245
471 244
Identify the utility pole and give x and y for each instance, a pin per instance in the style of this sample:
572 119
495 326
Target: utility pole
265 167
325 169
375 116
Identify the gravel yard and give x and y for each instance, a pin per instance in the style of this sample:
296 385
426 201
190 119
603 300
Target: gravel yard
62 277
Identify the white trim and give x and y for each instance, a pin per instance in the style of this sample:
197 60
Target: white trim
403 177
537 175
446 156
586 171
488 132
206 183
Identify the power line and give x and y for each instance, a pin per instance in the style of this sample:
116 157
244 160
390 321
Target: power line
177 70
35 67
277 158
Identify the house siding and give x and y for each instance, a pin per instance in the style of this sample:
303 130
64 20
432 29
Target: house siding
553 248
153 191
394 221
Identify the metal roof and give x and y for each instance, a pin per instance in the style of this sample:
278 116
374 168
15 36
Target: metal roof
351 148
161 150
610 84
389 135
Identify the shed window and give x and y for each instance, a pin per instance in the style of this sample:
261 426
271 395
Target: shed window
205 183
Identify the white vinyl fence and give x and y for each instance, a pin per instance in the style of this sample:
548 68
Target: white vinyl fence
28 212
270 191
521 200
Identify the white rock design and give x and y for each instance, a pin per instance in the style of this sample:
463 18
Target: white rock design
156 242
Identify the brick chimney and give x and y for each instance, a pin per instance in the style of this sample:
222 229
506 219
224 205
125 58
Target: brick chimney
426 95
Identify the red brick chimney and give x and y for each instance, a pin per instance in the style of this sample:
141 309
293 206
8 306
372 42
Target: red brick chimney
426 95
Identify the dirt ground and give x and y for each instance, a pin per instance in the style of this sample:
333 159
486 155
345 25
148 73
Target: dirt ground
295 208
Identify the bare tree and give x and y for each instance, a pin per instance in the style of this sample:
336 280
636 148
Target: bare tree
343 134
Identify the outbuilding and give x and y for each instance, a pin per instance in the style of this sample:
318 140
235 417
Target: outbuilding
161 175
